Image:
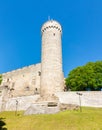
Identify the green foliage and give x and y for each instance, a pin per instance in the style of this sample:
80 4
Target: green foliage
84 77
2 124
0 79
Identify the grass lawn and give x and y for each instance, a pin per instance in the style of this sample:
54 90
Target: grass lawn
88 119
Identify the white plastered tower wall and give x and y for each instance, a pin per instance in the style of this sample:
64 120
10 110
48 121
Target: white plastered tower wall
52 79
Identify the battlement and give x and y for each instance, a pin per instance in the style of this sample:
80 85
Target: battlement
45 78
22 70
52 24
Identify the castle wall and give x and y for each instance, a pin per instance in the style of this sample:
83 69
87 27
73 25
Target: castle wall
22 82
20 103
88 99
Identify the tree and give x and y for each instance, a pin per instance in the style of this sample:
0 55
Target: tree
0 79
84 77
2 124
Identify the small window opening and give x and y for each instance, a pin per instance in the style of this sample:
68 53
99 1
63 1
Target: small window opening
52 104
36 91
54 34
39 73
11 89
6 86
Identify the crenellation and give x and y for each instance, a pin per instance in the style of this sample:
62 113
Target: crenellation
50 28
44 78
51 65
43 83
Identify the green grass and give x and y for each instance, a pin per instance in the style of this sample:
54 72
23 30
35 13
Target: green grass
88 119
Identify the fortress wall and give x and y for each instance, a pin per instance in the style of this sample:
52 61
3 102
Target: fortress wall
21 103
90 99
23 81
24 70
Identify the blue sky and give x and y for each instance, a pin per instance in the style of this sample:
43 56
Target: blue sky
20 36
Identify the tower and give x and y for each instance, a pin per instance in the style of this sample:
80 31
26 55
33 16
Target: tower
52 79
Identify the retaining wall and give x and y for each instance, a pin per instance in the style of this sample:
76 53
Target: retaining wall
88 98
91 99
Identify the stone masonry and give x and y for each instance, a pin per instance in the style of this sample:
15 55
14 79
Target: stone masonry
52 79
22 82
45 78
39 88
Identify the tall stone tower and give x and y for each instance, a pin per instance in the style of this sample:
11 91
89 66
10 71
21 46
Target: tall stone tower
52 79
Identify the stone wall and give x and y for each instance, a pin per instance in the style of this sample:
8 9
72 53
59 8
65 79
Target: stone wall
23 102
22 82
90 99
19 103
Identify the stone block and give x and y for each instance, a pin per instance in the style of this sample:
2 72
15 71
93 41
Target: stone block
42 108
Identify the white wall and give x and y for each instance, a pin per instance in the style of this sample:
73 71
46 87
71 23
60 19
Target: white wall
88 98
91 99
23 102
